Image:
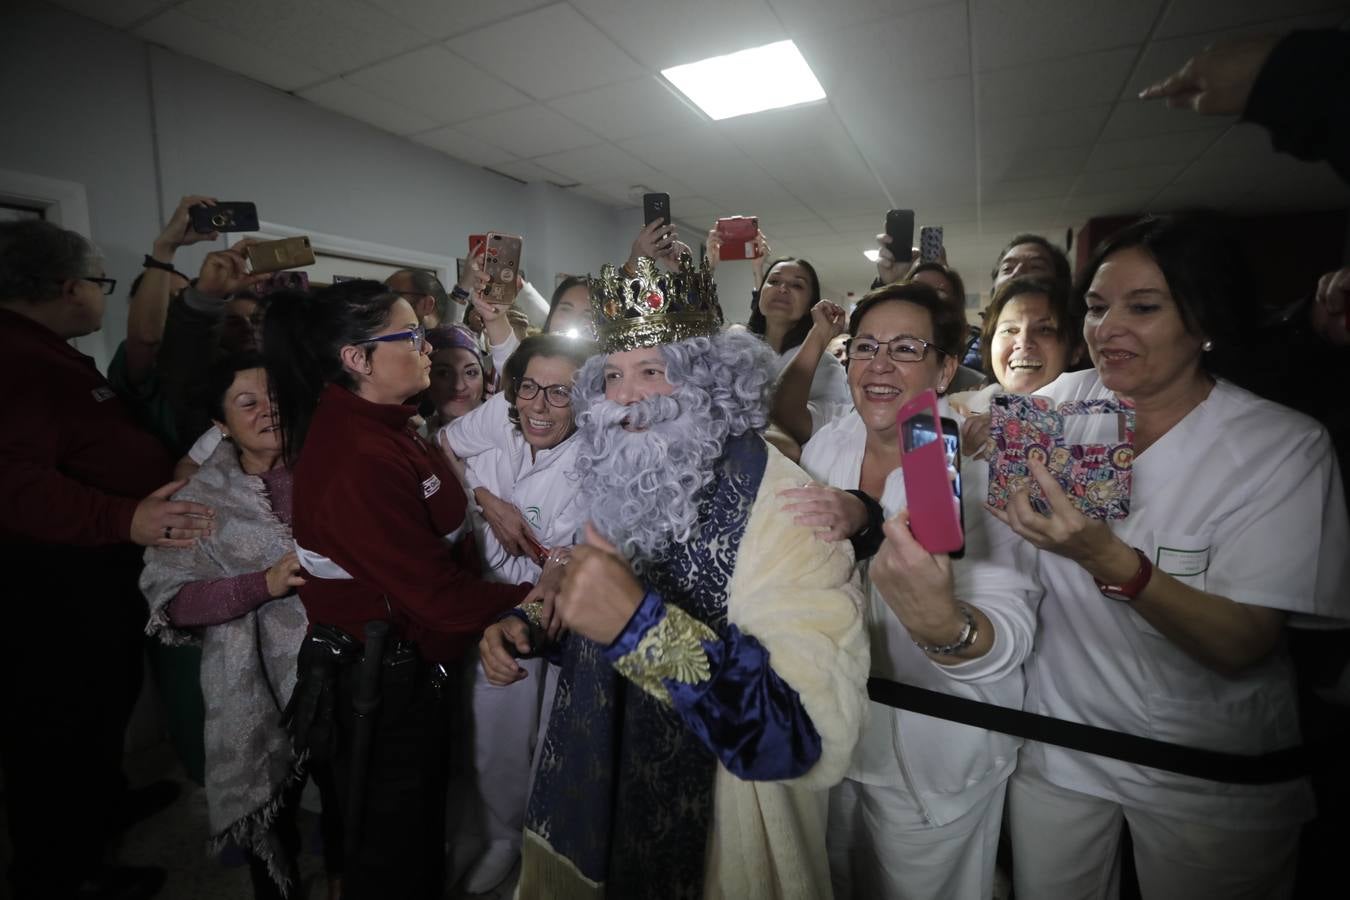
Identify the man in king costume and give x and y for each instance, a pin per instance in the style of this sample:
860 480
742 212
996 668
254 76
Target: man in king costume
714 660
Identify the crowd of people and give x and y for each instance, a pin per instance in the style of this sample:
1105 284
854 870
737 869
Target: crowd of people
630 605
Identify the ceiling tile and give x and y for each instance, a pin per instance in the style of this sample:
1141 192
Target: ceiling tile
454 142
333 35
1087 80
694 209
1028 189
1243 139
924 45
547 53
184 34
1011 34
1115 203
807 16
1003 132
1044 163
795 146
1133 118
524 170
440 19
661 35
1181 147
629 109
692 148
601 162
356 102
1142 178
435 82
924 142
117 13
529 131
1194 16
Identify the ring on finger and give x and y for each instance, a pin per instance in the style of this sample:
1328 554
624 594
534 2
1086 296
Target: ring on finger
167 529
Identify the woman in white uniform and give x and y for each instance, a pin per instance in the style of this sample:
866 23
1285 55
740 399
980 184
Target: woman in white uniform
1169 623
919 813
518 452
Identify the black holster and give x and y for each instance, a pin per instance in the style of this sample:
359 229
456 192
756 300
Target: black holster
310 716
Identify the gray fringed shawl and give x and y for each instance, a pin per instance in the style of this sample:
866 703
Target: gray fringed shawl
248 663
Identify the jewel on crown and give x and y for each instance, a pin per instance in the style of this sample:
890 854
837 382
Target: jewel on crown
654 306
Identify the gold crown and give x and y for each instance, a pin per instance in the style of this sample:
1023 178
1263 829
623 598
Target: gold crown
654 307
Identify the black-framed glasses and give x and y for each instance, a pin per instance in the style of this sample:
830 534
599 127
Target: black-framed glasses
106 285
903 349
415 336
559 395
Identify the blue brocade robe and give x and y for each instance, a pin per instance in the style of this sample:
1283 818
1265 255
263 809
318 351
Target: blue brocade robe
708 730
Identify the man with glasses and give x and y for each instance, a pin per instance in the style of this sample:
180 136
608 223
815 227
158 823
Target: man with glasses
80 494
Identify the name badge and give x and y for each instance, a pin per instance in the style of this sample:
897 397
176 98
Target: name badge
103 393
1183 562
430 486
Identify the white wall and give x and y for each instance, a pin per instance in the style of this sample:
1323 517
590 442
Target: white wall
139 126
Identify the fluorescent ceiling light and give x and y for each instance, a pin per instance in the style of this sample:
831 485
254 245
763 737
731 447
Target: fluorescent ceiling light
749 81
872 255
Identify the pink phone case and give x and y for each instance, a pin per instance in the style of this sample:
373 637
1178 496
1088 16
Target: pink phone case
933 516
1096 476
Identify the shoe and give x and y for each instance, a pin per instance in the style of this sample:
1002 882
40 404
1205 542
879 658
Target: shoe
122 883
141 803
492 867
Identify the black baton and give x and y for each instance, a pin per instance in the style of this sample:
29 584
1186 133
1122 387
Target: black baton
365 703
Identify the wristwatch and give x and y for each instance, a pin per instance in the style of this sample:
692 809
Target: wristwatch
969 632
458 293
1132 588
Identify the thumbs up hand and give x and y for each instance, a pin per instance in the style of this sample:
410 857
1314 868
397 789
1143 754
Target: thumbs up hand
599 591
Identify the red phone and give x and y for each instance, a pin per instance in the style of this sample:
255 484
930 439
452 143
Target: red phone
738 234
476 244
538 552
934 518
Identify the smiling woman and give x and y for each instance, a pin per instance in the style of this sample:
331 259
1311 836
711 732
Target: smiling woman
781 314
1169 624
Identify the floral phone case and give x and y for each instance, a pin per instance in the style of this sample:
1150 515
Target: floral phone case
1095 473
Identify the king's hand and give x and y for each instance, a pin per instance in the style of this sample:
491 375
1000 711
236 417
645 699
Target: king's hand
599 591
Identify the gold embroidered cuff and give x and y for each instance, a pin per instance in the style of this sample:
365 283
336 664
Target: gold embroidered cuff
671 649
534 612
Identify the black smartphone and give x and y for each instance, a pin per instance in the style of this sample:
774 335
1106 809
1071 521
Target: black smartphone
234 216
951 445
655 206
900 227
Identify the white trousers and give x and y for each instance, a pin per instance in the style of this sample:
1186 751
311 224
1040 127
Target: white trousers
1066 846
489 795
881 848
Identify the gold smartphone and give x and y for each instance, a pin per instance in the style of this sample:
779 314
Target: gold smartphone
287 253
501 262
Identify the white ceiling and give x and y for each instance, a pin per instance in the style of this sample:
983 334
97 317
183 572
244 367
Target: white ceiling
985 116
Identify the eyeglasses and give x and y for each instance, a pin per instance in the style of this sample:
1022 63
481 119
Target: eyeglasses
416 336
903 349
107 285
559 395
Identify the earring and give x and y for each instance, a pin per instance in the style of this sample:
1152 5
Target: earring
1207 346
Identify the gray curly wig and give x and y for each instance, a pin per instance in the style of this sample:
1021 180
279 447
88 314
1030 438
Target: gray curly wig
642 487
